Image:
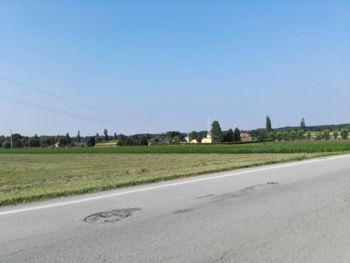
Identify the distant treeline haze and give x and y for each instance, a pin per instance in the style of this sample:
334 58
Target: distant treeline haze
323 132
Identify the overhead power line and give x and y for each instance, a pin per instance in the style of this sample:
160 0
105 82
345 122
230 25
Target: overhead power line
46 93
54 110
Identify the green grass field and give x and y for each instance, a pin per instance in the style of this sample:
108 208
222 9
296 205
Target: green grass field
27 177
268 147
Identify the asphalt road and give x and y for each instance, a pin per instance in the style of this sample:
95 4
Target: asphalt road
296 212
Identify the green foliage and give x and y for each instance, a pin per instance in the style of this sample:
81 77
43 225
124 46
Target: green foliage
34 142
344 134
279 136
194 135
302 124
268 124
124 140
6 145
216 132
335 135
308 135
300 134
262 136
292 135
326 135
229 136
318 136
78 137
237 135
90 142
105 133
272 136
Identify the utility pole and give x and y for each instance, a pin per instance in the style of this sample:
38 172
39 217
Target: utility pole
11 141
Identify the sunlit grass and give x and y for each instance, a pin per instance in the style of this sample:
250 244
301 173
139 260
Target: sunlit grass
26 177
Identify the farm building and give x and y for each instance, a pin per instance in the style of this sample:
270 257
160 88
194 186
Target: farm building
207 139
246 137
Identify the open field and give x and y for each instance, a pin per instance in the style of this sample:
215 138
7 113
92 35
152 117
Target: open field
26 177
267 147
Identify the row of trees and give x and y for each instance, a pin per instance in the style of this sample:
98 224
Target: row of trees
19 141
293 135
176 137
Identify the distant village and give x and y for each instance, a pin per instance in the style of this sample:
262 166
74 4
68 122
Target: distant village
213 135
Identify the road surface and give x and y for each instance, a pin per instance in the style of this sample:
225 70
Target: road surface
295 212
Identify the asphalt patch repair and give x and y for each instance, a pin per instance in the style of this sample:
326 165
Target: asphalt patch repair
111 216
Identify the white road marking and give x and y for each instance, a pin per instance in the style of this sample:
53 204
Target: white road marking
155 187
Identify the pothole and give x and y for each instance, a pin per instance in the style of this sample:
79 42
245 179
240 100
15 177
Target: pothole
111 216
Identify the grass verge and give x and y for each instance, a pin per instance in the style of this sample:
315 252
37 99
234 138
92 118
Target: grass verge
28 177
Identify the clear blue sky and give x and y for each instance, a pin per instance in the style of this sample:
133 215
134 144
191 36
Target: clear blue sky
169 65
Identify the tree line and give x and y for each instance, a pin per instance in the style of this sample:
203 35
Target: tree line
176 137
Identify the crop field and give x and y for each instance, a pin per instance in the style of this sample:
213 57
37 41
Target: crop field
267 147
27 177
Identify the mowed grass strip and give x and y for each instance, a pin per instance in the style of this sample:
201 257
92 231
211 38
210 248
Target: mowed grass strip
25 177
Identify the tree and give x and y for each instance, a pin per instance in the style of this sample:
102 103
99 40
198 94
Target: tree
268 124
292 135
34 142
308 135
326 135
78 137
216 133
105 133
90 142
124 140
300 134
194 135
272 136
318 136
279 136
262 136
46 141
115 136
344 134
237 135
335 135
68 139
229 136
302 124
6 144
17 140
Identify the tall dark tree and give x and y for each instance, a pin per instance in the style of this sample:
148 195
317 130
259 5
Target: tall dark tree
216 133
68 139
237 135
78 137
105 133
115 136
302 124
268 124
229 136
